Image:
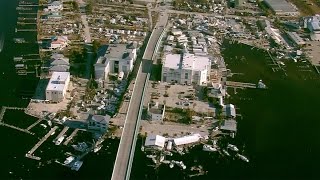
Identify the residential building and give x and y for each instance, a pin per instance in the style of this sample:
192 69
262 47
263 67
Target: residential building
55 6
282 7
115 58
155 142
98 123
156 111
229 111
59 63
229 125
190 139
59 42
186 69
313 25
57 86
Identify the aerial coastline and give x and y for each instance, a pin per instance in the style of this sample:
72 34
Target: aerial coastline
177 83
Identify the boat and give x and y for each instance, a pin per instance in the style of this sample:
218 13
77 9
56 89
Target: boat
68 160
242 157
209 148
59 140
80 147
181 164
1 41
171 165
225 152
77 165
161 158
151 156
233 147
19 40
97 148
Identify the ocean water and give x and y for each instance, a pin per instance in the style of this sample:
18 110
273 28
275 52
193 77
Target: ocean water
278 130
15 144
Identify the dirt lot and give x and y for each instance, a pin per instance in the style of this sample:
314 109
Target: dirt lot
179 96
313 52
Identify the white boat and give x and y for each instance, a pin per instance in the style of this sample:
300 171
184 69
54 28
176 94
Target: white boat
77 165
225 152
97 148
161 158
233 147
242 157
59 140
151 156
43 125
171 165
181 164
209 148
69 160
168 153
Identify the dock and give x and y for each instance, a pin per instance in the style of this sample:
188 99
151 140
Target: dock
35 147
64 130
34 124
16 128
69 138
3 111
240 84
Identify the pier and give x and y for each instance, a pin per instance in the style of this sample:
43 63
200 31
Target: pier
69 138
30 153
64 130
26 30
34 124
16 128
240 84
3 111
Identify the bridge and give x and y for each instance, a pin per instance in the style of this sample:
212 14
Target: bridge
125 154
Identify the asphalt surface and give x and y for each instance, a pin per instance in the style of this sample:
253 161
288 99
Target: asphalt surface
122 164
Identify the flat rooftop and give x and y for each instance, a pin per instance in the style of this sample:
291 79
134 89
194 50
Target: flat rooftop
280 6
186 61
57 81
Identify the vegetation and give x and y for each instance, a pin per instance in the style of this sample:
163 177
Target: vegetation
90 90
303 7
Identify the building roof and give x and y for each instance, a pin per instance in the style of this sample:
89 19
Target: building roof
115 52
229 110
187 61
187 139
155 140
281 6
55 3
229 125
156 108
57 81
62 61
59 68
100 119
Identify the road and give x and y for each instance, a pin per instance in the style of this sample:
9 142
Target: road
123 156
122 166
86 29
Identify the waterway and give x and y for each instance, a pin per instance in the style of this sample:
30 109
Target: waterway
278 130
15 144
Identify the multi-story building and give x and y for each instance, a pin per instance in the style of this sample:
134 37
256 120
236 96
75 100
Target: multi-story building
115 58
98 123
186 69
55 6
156 111
57 86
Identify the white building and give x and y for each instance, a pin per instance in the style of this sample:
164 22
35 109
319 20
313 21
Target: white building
155 142
59 42
156 111
98 122
55 6
57 86
187 139
186 69
229 111
313 25
115 58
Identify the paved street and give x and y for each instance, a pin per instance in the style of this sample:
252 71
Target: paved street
128 133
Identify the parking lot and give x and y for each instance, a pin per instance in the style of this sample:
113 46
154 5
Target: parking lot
178 96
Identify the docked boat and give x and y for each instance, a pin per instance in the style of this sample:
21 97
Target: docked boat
225 152
77 165
97 148
209 148
161 158
68 160
59 140
233 147
181 164
242 157
80 147
171 165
